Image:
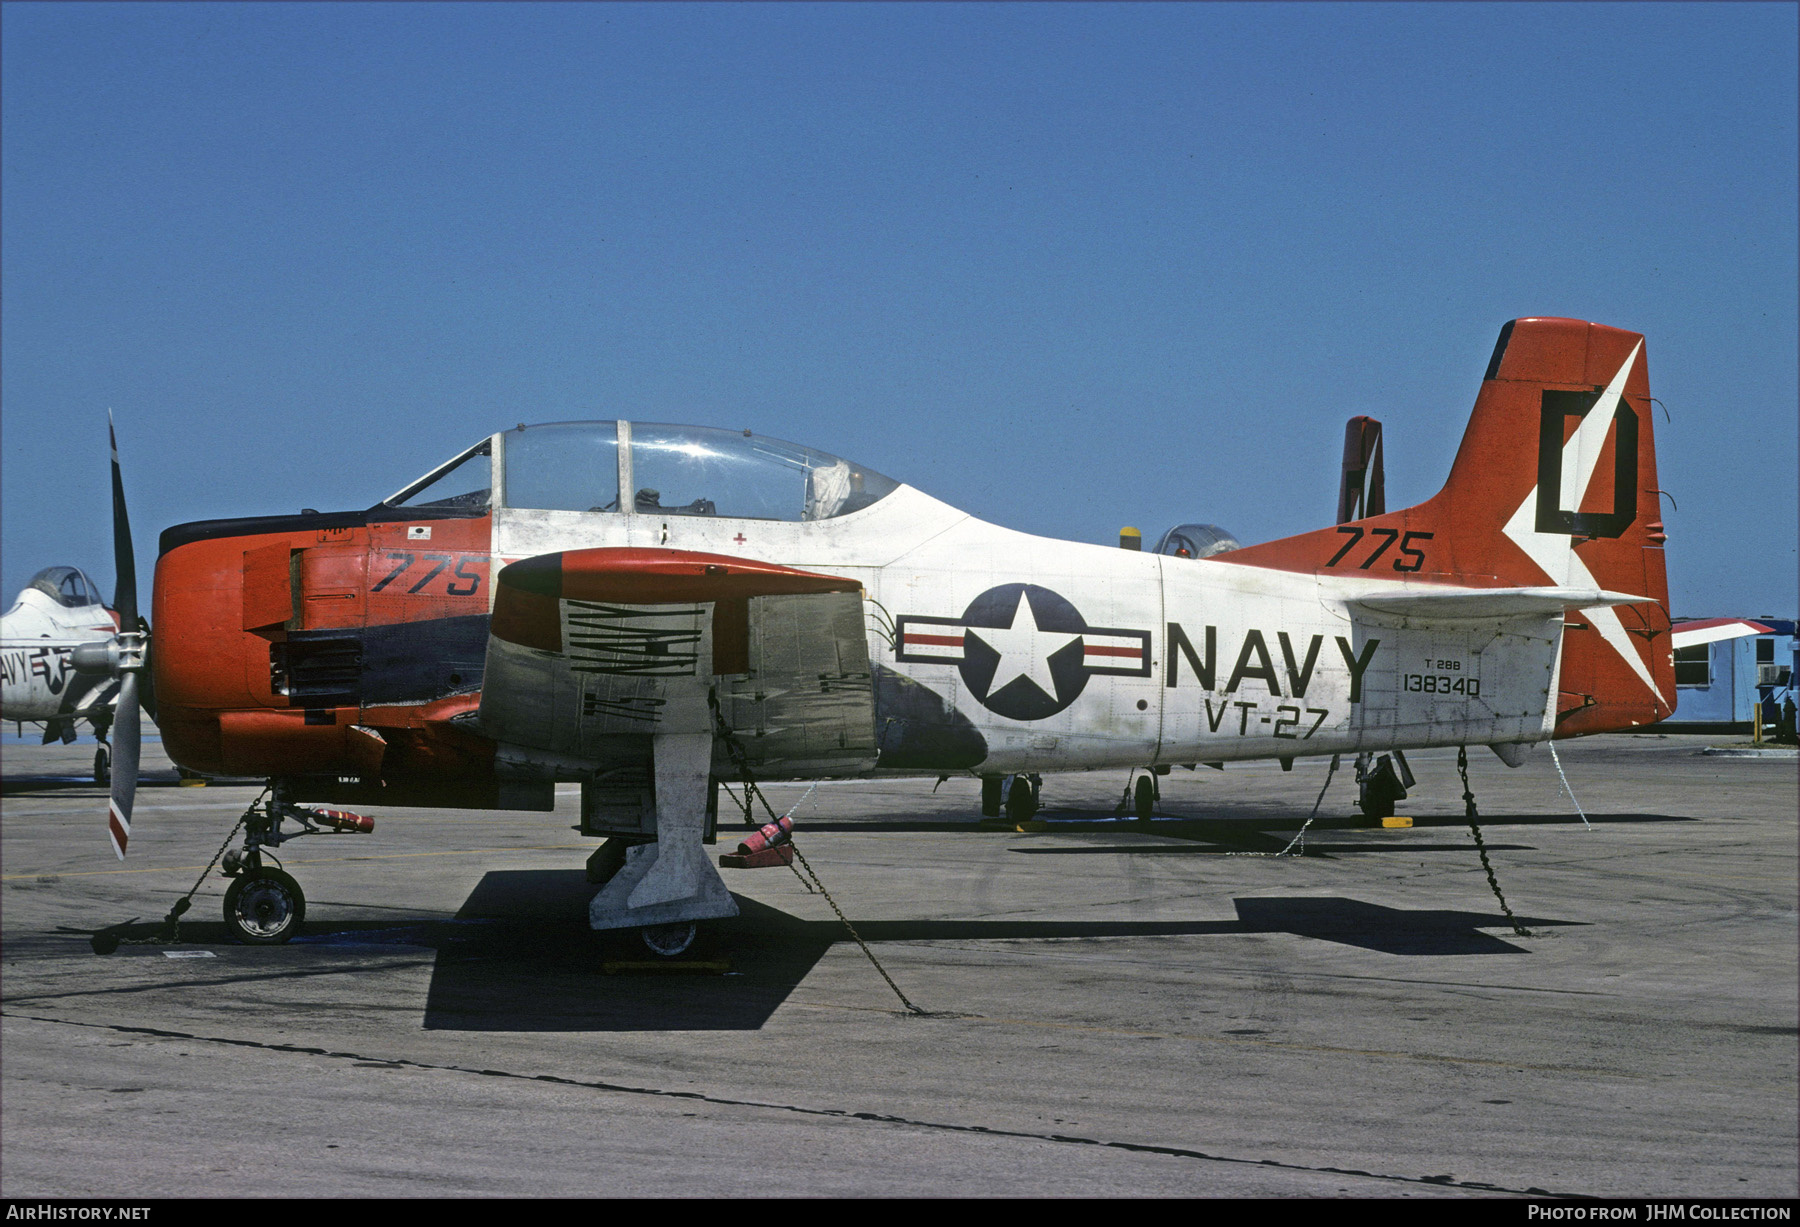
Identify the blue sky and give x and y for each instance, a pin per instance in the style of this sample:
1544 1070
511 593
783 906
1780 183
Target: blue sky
1066 266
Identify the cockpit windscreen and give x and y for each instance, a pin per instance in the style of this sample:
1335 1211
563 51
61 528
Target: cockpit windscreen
465 485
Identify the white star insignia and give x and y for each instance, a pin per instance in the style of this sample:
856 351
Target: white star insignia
1025 651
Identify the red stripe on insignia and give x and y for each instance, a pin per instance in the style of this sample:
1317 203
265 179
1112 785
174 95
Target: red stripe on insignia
944 641
1099 651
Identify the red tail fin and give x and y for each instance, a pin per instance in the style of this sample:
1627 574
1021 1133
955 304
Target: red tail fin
1554 485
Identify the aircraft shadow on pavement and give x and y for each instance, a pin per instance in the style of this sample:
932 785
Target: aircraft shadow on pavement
523 958
1183 826
1263 819
78 786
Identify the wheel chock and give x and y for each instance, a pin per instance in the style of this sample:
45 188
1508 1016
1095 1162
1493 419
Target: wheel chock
781 854
665 967
1395 822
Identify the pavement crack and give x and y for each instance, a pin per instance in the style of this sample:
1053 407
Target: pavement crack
885 1118
249 978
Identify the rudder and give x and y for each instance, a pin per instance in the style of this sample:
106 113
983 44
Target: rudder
1554 484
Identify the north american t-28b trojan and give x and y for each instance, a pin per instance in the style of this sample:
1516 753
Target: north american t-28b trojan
57 625
649 609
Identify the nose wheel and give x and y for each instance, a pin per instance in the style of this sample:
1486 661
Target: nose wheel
264 907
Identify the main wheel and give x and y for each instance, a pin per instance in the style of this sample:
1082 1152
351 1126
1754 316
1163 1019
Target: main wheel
1381 787
102 766
1143 798
1021 801
264 907
669 940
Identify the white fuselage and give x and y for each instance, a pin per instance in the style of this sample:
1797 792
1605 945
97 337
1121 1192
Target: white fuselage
1068 656
38 680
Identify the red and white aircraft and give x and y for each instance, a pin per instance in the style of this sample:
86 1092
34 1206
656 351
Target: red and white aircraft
650 609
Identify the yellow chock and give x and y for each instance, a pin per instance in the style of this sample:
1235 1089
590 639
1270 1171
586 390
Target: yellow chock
665 967
1395 823
1032 824
191 781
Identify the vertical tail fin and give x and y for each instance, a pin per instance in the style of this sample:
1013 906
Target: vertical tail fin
1554 486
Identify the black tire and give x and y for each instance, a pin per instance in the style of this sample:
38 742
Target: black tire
671 940
264 907
990 796
102 766
1376 807
1143 798
1381 787
1021 800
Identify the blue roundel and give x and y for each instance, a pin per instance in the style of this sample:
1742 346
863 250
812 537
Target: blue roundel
1022 651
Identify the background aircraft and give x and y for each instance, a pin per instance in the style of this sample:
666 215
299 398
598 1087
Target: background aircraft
57 616
649 609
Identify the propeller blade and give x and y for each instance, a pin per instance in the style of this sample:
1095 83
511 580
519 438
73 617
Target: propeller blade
125 601
124 765
127 719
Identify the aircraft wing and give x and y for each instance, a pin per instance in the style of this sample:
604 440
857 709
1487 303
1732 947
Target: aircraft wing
590 651
1449 604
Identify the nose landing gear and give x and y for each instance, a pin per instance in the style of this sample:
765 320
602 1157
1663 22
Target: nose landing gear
264 906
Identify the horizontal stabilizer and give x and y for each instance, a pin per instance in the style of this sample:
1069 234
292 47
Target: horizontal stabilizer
1488 604
1712 630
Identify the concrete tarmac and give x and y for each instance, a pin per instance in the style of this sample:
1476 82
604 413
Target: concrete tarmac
1112 1010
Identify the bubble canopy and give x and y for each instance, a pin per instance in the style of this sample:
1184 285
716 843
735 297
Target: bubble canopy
67 586
668 470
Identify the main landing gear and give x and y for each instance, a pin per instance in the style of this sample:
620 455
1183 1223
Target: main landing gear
102 753
1015 796
665 941
669 940
1380 782
1142 795
663 887
264 906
